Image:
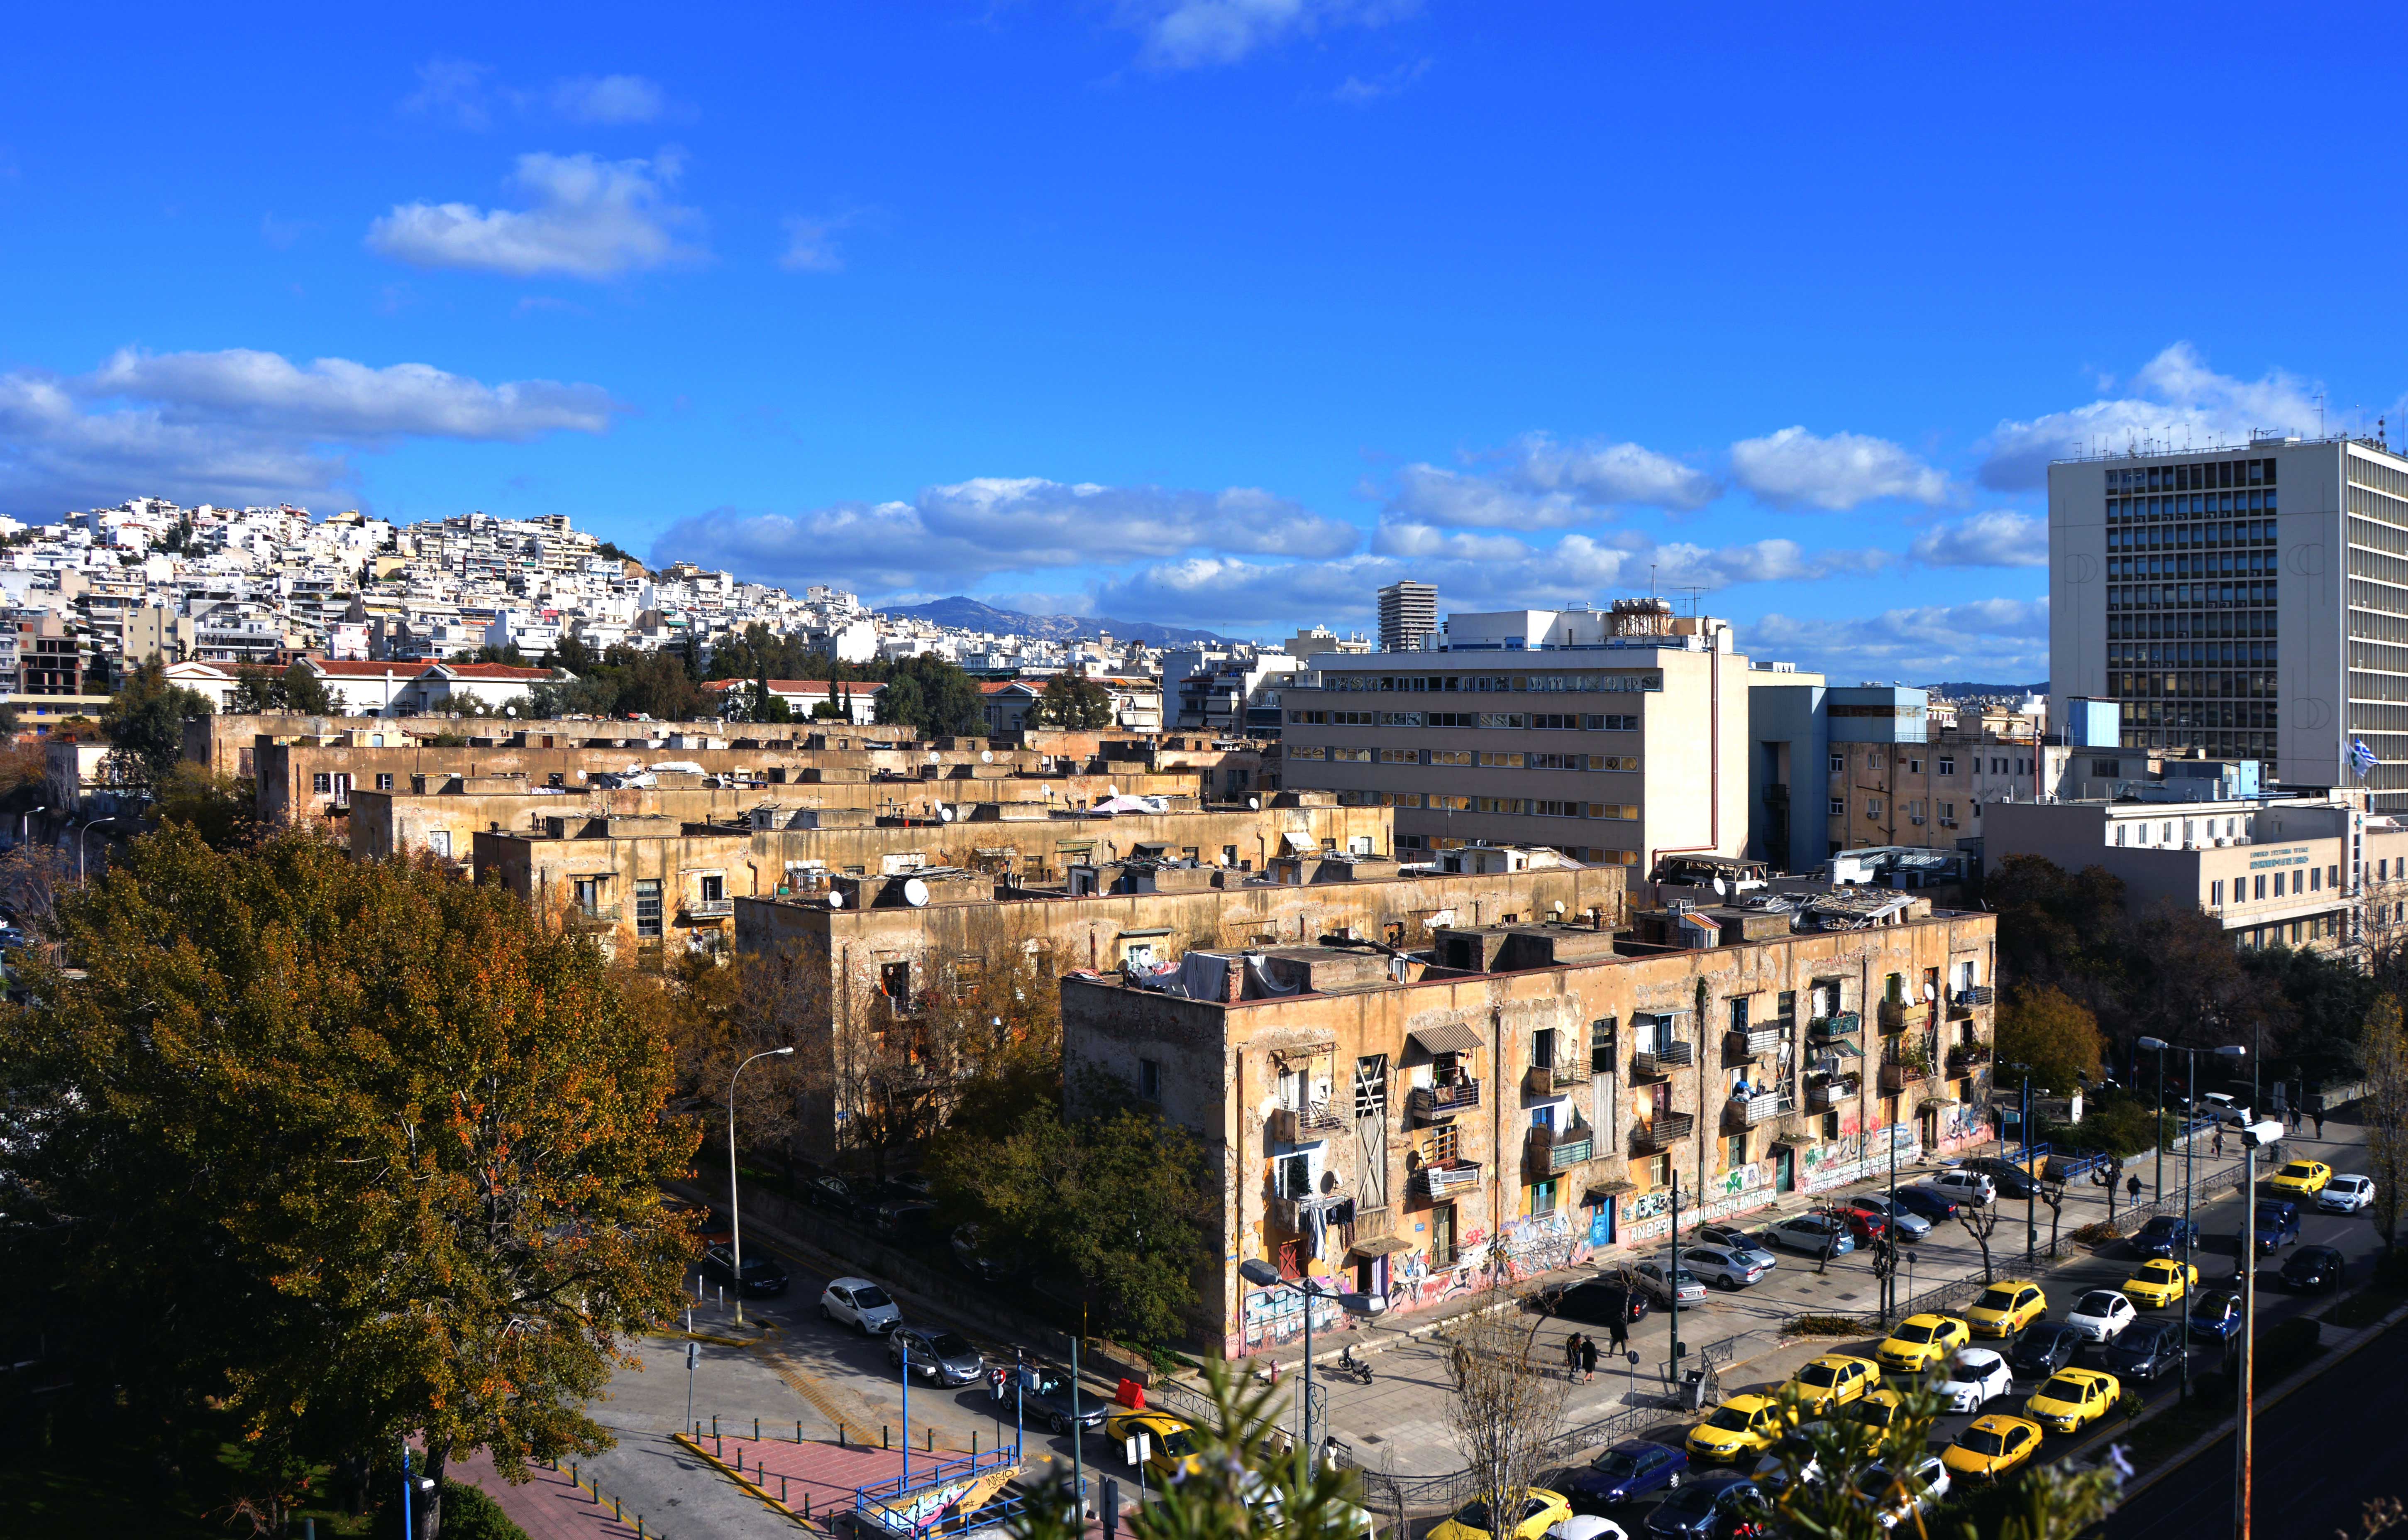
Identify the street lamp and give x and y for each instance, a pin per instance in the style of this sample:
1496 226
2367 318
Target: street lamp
1262 1274
26 817
83 845
735 1217
2160 1047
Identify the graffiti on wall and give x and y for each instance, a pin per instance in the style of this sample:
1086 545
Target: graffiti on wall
1413 1284
1648 1216
1852 1158
1544 1242
1274 1315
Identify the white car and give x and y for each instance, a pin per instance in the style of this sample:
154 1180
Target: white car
1975 1375
1724 1269
2346 1194
1966 1186
861 1304
1926 1480
1587 1526
2102 1314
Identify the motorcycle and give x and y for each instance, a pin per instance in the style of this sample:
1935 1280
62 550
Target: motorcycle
1352 1367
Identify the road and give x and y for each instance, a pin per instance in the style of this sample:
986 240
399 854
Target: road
2321 1453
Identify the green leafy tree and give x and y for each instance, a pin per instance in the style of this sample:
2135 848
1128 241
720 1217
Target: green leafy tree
144 722
2057 1036
1074 701
2385 1111
933 695
305 693
295 688
339 1150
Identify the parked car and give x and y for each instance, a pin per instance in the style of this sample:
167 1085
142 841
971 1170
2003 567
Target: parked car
2278 1225
1731 1238
1169 1441
762 1277
2008 1179
2223 1108
1580 1526
836 1196
1933 1204
1812 1233
1910 1225
1714 1507
2006 1307
1973 1376
1650 1276
2163 1236
2216 1316
907 1220
1907 1492
1628 1470
861 1304
909 1188
2072 1399
2146 1350
1600 1300
941 1358
1721 1268
2102 1314
1540 1511
1967 1186
1740 1427
2044 1348
979 1261
2311 1268
1863 1223
2346 1194
1990 1446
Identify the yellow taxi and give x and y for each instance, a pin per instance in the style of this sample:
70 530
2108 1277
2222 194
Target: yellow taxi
2006 1307
2072 1399
1171 1441
1991 1446
1834 1379
1742 1426
1541 1510
2306 1177
1922 1341
1874 1416
2162 1283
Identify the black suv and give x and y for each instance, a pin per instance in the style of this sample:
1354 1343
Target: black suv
2313 1267
2011 1180
2146 1350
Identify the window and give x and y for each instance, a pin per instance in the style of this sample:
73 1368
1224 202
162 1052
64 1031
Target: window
440 841
1738 1014
1500 761
1148 1079
2332 876
714 888
1613 810
895 980
1350 757
1542 1196
1838 764
322 782
1873 807
1839 809
1947 766
1449 756
588 894
648 907
1446 1144
2215 894
1914 767
2316 880
1736 1149
1400 757
1542 1048
1947 813
2261 886
384 783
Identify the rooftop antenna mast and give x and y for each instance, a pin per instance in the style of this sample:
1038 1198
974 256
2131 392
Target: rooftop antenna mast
2320 414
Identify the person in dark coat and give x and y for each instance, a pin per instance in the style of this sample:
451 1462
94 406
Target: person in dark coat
1588 1360
1619 1329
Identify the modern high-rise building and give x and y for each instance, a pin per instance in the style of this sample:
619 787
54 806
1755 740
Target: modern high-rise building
1408 616
2240 603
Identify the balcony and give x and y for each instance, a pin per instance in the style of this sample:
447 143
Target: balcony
1746 1112
1664 1058
1966 1000
709 909
1371 1224
1840 1024
1965 1056
1288 1214
1547 1080
1738 1047
1896 1015
1429 1103
602 916
1665 1130
1444 1178
1838 1091
1550 1154
1898 1077
1295 1125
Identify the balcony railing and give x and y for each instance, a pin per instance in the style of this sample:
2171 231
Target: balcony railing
1898 1077
1752 1042
602 916
1840 1024
1429 1103
709 909
1838 1091
1654 1063
1980 994
1663 1132
1965 1056
1371 1224
1896 1015
1298 1126
1440 1178
1545 1080
1748 1111
1550 1153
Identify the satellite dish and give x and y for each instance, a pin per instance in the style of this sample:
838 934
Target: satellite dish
944 813
1112 791
915 892
1255 804
986 757
836 898
934 757
1559 906
1719 890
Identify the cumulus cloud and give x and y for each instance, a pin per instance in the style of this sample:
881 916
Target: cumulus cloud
1599 472
453 90
241 425
2000 538
1996 640
970 529
585 217
465 94
811 245
2175 398
607 99
1535 483
1189 34
1794 468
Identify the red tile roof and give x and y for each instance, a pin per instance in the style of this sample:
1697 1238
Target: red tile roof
498 672
795 686
352 667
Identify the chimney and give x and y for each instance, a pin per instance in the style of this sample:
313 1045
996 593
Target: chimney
1233 983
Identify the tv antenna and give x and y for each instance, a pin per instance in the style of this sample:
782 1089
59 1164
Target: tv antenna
2320 414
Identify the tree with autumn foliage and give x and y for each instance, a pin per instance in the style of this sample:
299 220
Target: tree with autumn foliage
344 1152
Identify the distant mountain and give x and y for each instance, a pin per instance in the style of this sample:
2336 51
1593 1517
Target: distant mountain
1961 689
969 614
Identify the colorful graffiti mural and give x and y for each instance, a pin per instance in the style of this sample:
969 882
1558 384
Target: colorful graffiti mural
1271 1316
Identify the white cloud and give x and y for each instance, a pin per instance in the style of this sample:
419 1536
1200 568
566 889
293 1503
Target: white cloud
2000 538
1188 33
1598 472
1996 640
1794 466
969 530
1538 483
587 218
810 247
453 89
1433 495
2175 401
246 426
607 99
1356 92
1760 561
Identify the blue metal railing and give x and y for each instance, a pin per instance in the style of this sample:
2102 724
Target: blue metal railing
897 1508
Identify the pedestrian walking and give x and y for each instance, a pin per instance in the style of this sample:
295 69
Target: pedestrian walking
1619 1329
2132 1186
1588 1360
2215 1145
1571 1356
2319 1116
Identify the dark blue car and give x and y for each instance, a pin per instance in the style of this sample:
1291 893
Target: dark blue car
1938 1207
2216 1316
2278 1224
2163 1236
1712 1508
1628 1470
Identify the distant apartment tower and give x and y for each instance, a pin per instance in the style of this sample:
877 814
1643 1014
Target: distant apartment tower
2240 603
1408 616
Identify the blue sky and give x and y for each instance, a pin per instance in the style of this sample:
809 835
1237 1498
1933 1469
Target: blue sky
1218 313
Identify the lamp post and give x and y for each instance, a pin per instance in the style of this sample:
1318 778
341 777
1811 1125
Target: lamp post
1262 1274
83 845
2160 1047
735 1216
28 817
2252 1135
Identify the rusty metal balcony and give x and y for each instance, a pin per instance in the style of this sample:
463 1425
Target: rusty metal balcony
1662 1132
1442 1178
1839 1024
709 909
1662 1060
1293 1126
1898 1077
1428 1104
1838 1091
1738 1047
1549 1153
1896 1015
1745 1112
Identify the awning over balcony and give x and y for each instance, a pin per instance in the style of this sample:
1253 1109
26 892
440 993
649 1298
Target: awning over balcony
1297 844
1452 1037
1605 1192
1380 1245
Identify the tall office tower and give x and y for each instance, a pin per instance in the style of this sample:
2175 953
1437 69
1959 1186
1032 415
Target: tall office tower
1408 616
2240 603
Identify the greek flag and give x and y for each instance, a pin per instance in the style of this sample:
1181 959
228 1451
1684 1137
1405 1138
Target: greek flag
2361 758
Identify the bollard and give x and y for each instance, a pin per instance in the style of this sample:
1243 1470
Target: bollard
932 1440
718 1446
974 1445
714 1424
839 1434
782 1485
614 1510
756 1430
885 1435
807 1505
799 1431
572 1475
